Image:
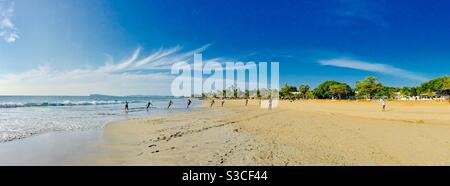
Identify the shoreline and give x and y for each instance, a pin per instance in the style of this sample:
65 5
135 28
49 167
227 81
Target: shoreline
73 147
298 133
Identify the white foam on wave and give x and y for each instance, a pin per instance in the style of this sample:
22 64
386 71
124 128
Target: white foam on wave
63 103
30 118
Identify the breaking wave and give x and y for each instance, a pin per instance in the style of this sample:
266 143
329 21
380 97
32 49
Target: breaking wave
60 104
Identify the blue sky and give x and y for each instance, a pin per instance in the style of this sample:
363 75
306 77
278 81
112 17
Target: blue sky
78 47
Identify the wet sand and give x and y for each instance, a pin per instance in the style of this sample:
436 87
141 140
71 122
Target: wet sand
53 148
295 133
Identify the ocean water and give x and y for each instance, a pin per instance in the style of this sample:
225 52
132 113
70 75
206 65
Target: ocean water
24 116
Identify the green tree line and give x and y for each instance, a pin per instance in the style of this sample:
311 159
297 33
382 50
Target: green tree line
369 88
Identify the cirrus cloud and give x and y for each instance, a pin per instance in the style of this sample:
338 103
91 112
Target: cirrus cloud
372 67
146 74
8 31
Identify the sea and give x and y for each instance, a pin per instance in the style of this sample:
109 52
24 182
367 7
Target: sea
26 116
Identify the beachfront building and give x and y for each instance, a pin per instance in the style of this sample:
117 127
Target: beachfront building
400 96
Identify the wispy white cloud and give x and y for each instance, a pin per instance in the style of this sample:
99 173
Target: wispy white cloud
45 80
160 54
372 67
8 31
111 67
137 74
167 61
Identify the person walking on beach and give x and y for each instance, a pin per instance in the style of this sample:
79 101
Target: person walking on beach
246 101
212 103
126 106
270 103
223 101
189 103
149 104
170 104
383 104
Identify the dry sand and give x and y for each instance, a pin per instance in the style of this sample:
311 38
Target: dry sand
295 133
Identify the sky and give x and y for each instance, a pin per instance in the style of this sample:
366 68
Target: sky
116 47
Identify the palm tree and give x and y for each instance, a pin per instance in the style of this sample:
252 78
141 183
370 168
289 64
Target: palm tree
303 89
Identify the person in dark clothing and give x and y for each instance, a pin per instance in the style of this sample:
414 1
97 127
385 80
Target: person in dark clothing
149 104
212 103
189 103
126 106
170 104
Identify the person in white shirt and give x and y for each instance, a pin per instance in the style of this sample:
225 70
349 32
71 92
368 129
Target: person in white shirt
383 104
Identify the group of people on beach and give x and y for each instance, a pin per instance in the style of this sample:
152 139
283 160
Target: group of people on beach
189 102
246 102
150 104
221 103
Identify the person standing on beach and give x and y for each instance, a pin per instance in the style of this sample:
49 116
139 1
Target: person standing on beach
383 104
126 105
223 101
149 104
246 101
189 103
212 103
170 104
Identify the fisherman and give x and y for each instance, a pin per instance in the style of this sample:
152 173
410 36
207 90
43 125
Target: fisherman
189 103
212 103
170 104
149 104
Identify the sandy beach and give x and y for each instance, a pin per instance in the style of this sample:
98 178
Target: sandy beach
312 132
